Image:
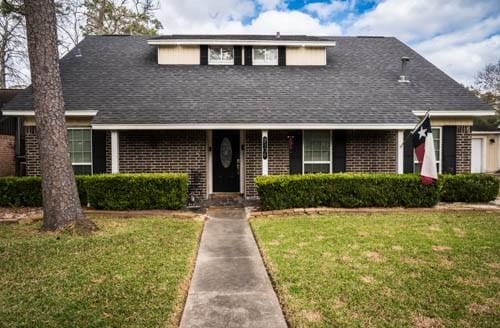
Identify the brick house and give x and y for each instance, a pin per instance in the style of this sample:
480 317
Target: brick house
227 108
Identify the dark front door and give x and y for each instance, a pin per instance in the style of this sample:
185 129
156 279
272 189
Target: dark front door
225 158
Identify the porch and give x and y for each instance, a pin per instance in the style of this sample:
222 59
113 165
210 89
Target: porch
227 160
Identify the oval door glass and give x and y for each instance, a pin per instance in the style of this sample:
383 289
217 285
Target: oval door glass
226 153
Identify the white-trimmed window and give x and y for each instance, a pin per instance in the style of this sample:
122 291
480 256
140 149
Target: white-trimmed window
221 55
80 149
317 151
265 56
437 137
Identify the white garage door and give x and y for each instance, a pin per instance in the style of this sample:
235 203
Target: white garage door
477 155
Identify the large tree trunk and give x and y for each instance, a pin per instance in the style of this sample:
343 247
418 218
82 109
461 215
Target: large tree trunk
61 203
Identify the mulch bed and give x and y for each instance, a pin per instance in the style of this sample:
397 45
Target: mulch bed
492 206
30 214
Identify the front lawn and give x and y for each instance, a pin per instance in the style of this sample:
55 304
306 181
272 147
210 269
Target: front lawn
131 273
407 269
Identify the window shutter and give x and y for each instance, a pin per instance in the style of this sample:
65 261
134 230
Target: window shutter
237 55
408 161
99 151
282 56
339 148
449 152
295 152
248 55
203 55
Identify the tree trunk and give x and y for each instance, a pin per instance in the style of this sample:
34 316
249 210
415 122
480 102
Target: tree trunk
3 80
61 203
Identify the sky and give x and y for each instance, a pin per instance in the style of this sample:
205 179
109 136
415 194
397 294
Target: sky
459 36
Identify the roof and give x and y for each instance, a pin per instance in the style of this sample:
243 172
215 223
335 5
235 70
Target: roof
118 76
239 37
7 94
485 128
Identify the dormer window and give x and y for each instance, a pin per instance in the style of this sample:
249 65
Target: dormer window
265 55
221 55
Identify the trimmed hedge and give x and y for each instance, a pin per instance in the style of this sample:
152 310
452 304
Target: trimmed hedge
137 191
345 190
470 188
21 191
106 191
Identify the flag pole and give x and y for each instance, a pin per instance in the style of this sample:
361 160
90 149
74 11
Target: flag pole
416 127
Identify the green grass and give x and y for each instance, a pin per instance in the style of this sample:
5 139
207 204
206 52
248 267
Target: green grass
408 269
132 273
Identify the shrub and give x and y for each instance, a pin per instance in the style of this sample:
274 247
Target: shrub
468 188
20 191
27 191
137 191
106 191
345 190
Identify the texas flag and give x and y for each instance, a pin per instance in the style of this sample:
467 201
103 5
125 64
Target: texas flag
423 143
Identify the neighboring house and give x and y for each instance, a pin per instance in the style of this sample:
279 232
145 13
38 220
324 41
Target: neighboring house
10 136
485 150
227 108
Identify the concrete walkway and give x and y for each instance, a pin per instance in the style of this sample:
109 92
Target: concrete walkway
230 285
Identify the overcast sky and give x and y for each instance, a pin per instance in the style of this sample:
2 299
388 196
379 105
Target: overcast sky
458 36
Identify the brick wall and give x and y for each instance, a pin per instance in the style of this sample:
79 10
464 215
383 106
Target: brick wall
463 149
32 155
166 151
7 155
278 162
371 151
253 161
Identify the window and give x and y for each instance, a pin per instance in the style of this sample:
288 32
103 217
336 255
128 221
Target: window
436 135
317 151
80 150
265 56
221 56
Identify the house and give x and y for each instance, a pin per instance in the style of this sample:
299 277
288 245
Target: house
227 108
10 137
485 151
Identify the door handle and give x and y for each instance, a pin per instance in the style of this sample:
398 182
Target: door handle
238 166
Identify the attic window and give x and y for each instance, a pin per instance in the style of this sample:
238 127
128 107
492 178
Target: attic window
221 55
265 55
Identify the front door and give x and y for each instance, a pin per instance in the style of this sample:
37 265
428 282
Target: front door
226 161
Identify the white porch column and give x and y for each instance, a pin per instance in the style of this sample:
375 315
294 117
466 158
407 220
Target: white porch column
401 149
265 152
115 157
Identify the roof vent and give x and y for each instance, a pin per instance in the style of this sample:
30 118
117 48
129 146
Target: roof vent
404 74
278 35
78 52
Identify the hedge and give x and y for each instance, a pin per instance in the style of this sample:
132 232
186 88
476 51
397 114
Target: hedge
371 190
470 188
106 191
345 190
21 191
137 191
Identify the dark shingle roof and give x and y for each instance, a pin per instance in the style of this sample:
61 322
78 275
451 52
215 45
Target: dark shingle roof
6 95
119 77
